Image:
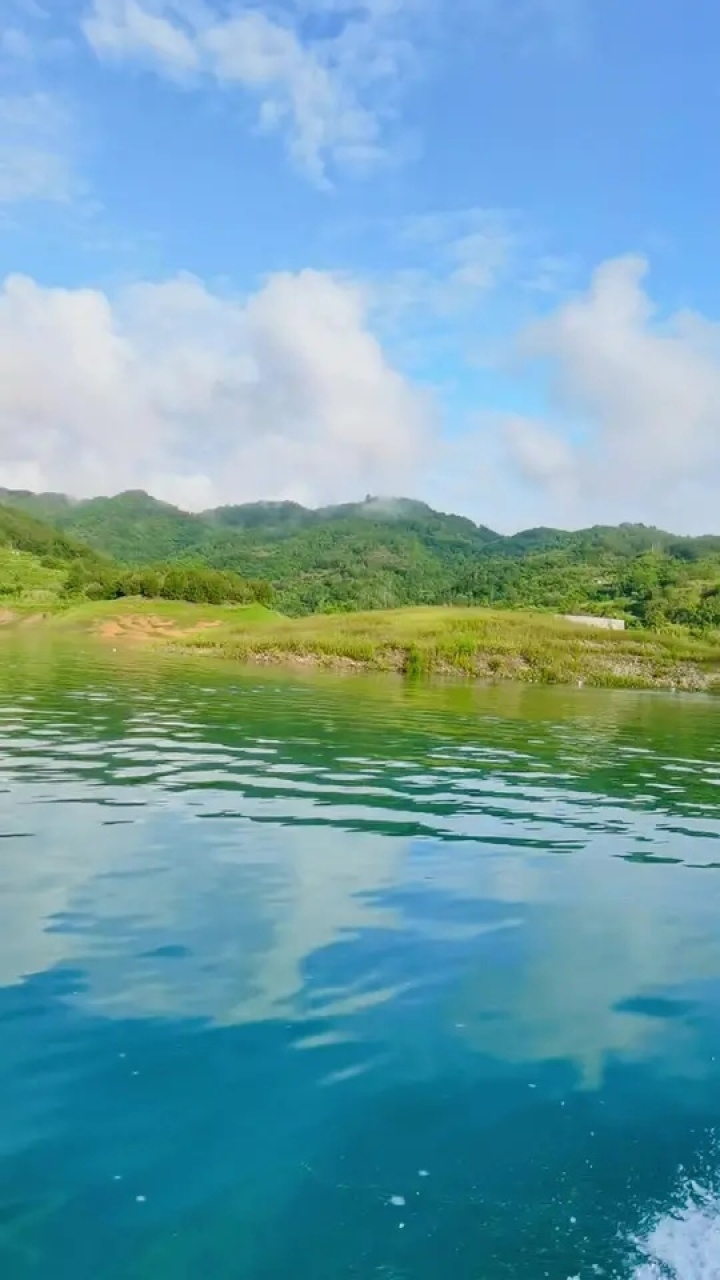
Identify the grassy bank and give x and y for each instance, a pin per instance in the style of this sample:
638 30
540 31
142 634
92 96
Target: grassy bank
477 643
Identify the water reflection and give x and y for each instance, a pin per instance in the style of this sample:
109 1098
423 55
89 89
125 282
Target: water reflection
258 860
446 895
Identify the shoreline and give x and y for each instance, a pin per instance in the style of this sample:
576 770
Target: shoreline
691 680
468 644
685 678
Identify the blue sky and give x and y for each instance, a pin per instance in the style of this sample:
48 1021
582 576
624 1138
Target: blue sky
317 248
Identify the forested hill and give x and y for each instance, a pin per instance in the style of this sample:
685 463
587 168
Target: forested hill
23 534
42 565
383 553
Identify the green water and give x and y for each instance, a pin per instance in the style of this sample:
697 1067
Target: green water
323 978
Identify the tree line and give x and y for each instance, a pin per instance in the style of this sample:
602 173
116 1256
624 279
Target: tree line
197 585
367 557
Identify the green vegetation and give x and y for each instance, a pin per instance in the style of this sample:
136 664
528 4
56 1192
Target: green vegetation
25 577
168 582
24 533
37 560
151 618
480 643
390 554
222 571
40 565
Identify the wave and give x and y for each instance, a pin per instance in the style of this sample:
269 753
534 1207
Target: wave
683 1243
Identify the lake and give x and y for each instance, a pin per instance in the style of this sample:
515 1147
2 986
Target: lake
323 977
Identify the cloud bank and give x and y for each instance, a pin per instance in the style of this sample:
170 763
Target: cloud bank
634 426
202 398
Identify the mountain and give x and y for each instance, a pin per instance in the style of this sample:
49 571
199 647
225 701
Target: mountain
41 564
132 527
280 517
20 531
36 559
389 552
43 506
373 554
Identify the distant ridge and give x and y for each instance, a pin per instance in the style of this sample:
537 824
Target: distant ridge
384 552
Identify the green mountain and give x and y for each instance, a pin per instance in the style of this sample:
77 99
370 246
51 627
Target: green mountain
132 527
37 559
41 564
383 553
20 531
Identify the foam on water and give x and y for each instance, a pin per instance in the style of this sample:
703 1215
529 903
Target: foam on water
683 1243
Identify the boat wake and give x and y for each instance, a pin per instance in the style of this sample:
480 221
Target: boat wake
683 1243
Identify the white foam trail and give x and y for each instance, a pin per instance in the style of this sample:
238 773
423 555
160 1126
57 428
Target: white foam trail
683 1244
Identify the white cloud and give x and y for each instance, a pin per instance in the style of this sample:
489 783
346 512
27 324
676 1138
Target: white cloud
471 247
540 454
636 430
549 273
35 150
450 260
479 257
202 398
296 86
320 91
123 28
324 74
27 38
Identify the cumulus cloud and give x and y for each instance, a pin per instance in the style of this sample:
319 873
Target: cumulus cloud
311 69
635 427
203 398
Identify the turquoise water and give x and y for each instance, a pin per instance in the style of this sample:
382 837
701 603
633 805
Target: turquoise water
323 978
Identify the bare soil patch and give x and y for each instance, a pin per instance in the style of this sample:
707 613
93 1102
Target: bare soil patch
142 626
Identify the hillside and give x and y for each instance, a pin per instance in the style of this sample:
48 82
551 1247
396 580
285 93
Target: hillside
36 559
43 565
25 533
388 553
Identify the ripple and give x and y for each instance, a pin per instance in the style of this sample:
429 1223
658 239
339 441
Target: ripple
253 925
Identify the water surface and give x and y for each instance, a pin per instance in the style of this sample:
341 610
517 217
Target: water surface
324 978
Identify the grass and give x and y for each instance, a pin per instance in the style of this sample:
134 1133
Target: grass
25 580
179 613
474 642
477 643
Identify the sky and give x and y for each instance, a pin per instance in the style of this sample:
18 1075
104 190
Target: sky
460 250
